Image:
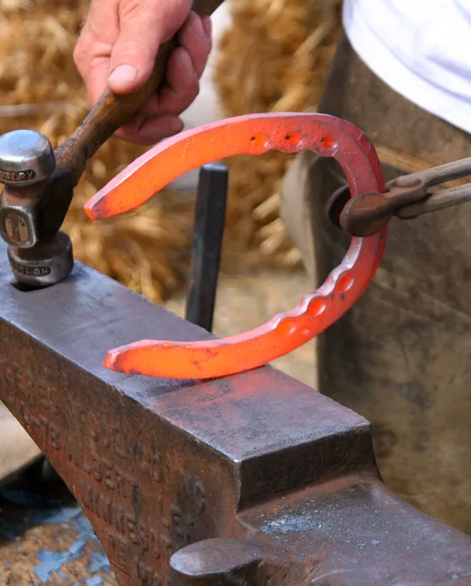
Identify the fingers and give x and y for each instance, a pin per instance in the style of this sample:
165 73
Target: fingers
94 46
120 40
144 26
147 131
117 49
158 118
96 78
195 37
184 69
208 26
182 85
131 61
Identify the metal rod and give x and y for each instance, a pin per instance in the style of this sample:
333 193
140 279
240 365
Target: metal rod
437 175
438 200
210 214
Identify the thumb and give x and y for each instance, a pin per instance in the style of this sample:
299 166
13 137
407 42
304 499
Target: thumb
132 57
142 30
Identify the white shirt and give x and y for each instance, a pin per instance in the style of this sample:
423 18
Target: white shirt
420 48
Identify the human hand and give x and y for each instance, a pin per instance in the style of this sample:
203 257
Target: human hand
117 49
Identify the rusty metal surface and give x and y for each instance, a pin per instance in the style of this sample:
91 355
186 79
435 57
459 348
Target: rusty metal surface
161 464
407 196
349 531
353 531
49 541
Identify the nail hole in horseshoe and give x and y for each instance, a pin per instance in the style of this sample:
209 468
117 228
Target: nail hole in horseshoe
317 307
345 283
293 138
286 327
328 142
258 140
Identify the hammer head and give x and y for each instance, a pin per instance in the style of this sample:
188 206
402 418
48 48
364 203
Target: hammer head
33 205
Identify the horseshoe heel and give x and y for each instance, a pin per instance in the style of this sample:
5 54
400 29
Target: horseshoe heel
254 135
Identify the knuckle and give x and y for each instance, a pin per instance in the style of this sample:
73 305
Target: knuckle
79 55
188 37
82 51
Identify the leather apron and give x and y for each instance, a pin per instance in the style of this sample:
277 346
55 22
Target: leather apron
402 355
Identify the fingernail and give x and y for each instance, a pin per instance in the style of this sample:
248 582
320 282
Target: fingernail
207 25
197 26
122 75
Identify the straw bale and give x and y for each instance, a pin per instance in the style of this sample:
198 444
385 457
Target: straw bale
273 59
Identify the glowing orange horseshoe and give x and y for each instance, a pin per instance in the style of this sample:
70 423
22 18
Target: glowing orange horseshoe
253 134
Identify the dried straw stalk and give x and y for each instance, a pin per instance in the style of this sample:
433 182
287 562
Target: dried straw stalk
274 59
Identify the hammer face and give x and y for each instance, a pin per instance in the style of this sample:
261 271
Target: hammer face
44 264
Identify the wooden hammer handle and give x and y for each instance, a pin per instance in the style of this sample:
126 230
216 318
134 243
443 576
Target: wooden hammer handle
113 111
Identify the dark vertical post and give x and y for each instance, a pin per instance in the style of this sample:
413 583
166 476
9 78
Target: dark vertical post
208 233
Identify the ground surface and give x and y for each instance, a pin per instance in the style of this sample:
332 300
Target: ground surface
48 540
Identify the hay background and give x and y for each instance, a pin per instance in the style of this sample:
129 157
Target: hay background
273 58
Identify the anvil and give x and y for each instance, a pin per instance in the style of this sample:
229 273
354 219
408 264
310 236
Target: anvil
251 479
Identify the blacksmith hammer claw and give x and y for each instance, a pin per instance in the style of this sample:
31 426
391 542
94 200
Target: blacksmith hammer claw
255 135
39 182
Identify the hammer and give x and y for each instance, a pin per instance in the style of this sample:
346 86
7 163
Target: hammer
39 181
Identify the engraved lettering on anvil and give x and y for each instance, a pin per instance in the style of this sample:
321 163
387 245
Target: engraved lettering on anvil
12 377
39 427
27 400
195 492
178 523
145 456
118 551
109 437
16 228
149 577
122 521
45 401
102 470
151 464
21 383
